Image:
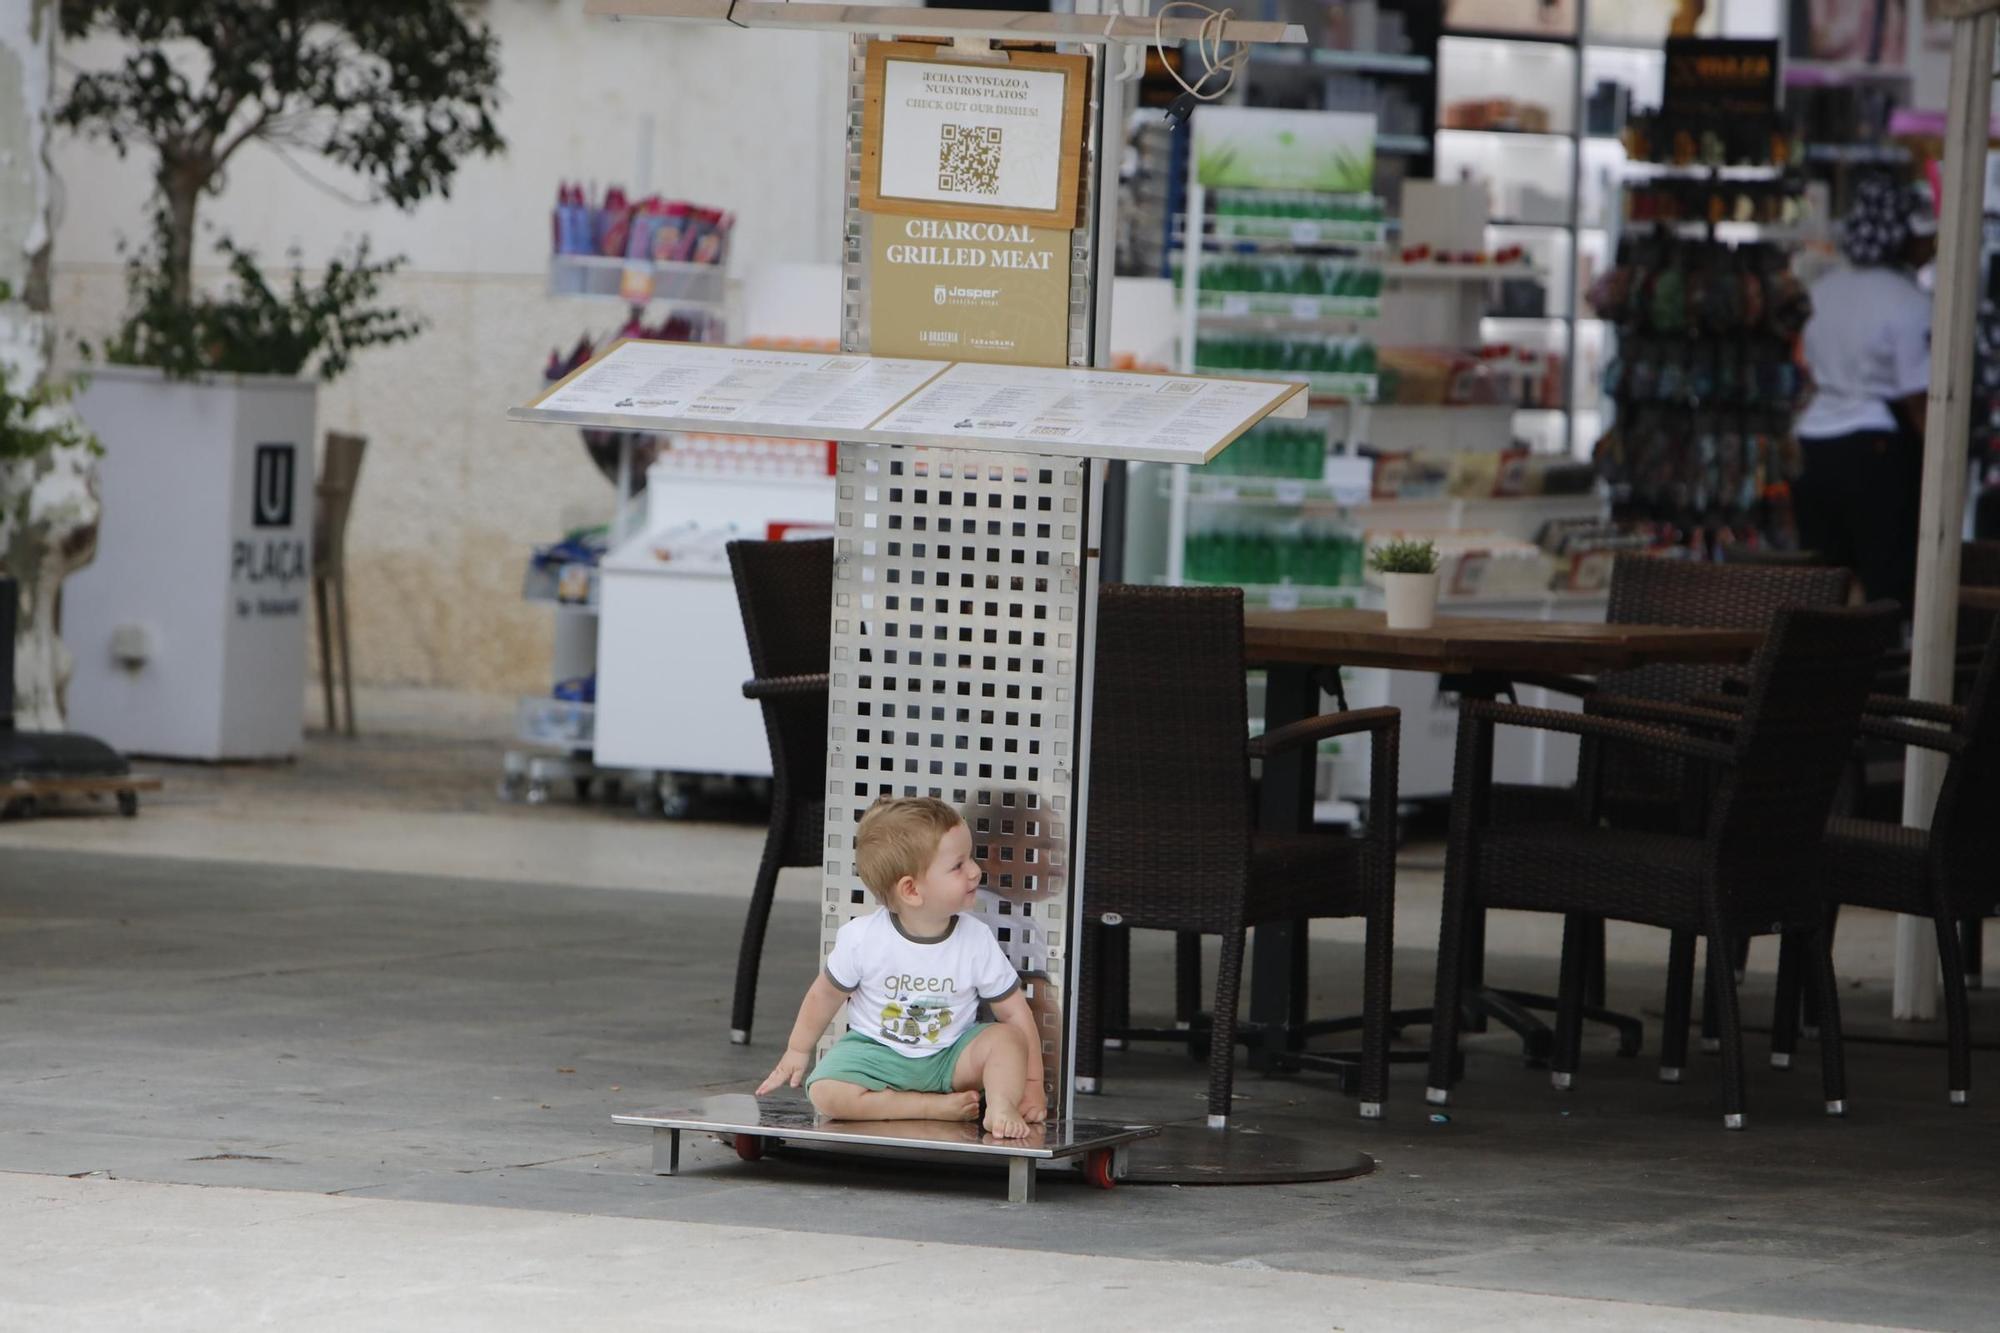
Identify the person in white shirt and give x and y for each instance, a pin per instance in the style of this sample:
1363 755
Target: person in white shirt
1868 346
912 975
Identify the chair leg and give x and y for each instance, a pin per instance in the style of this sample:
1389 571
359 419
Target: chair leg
751 955
1377 987
1729 1020
1593 993
320 620
1972 943
1785 1007
1187 977
1447 1009
1809 1006
1576 949
1832 1051
1117 963
346 659
1711 1036
1679 1006
1222 1037
1957 1019
1090 1008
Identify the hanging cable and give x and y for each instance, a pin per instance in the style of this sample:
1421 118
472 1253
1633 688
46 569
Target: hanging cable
1208 47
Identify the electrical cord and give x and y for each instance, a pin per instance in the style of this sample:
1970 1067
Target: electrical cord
1208 46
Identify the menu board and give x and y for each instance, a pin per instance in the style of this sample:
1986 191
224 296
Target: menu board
664 386
697 382
1189 418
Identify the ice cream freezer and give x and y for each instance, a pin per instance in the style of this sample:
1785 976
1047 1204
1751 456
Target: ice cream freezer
671 653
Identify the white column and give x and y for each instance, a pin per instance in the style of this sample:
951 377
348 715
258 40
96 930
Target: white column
1936 630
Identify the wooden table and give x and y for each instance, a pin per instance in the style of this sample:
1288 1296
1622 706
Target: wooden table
1484 655
1979 599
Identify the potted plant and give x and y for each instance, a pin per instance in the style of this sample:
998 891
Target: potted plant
206 408
1409 571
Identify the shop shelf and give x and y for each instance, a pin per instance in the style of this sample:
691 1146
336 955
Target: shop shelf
1358 62
1297 231
699 286
571 585
556 723
1402 145
1269 306
1504 35
1320 384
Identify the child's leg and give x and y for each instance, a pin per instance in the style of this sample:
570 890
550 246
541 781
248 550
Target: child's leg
850 1101
997 1060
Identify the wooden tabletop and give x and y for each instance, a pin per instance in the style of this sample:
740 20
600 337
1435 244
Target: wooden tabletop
1979 599
1468 644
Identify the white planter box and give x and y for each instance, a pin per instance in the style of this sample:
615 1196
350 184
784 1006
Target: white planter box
189 628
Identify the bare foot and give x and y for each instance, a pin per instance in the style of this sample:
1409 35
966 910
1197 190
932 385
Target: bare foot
956 1106
1005 1122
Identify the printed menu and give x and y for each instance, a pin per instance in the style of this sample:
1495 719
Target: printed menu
1020 409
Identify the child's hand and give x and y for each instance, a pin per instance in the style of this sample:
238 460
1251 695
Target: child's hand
791 1071
1034 1105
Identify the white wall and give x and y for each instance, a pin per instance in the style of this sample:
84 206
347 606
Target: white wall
451 493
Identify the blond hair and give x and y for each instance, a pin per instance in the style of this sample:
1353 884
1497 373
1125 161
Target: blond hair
899 836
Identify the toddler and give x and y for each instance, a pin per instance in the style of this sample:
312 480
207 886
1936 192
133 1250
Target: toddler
912 975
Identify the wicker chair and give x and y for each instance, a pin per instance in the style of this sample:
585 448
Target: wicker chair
784 590
1171 842
1773 788
1944 872
1646 790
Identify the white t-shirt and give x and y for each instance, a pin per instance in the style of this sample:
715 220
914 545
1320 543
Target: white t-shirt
1868 344
917 996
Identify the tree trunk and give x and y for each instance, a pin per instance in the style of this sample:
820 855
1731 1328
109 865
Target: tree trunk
180 185
48 503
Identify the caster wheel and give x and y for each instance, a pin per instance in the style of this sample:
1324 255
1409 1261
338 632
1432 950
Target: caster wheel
128 803
750 1147
538 793
1097 1170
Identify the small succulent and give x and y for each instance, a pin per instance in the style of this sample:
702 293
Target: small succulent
1404 557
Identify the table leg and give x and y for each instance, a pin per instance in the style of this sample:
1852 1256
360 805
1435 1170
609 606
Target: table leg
1020 1180
666 1152
1285 804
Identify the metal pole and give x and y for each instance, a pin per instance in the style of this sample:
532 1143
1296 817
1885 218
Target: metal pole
1935 635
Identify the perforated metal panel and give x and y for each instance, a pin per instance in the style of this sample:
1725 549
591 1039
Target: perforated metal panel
960 582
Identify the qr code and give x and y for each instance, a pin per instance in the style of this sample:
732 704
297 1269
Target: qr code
969 159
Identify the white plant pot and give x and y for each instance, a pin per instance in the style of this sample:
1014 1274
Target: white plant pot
189 628
1411 600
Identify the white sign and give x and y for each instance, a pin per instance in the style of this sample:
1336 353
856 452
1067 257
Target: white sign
1186 418
662 386
731 385
986 135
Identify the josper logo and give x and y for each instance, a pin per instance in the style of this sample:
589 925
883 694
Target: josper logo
271 486
938 294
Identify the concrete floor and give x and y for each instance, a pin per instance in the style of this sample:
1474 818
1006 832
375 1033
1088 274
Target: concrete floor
243 993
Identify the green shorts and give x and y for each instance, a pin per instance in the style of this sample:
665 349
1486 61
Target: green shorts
869 1064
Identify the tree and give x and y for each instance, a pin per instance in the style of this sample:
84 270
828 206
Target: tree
397 91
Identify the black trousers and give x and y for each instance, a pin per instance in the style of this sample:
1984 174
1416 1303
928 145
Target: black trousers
1856 505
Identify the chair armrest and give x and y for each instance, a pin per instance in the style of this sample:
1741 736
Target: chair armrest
1602 728
1889 705
785 687
1699 716
1321 727
1720 703
1909 733
1578 687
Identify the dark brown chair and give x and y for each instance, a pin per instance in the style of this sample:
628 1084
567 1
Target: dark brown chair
1647 790
333 503
1945 872
1772 784
785 590
1171 841
1978 567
